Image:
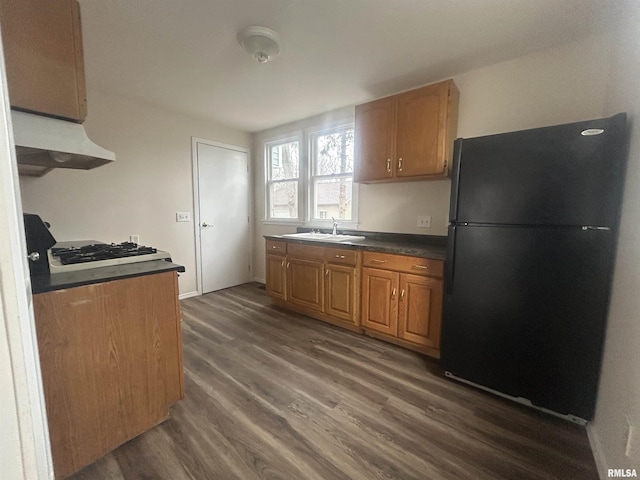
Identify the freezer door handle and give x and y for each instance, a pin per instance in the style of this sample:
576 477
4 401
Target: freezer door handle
451 244
455 180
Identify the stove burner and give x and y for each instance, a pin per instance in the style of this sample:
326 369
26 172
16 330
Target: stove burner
100 251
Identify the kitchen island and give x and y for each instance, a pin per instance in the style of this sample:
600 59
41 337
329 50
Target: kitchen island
389 286
110 349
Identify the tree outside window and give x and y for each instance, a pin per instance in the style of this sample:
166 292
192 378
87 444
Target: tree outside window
332 174
283 179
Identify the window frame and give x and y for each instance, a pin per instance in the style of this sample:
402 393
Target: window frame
268 144
314 177
305 187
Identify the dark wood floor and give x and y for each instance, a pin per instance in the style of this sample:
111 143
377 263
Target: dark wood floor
276 395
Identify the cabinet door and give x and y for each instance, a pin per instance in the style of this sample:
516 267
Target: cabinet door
276 276
380 300
43 55
340 292
421 131
111 360
420 314
374 140
305 285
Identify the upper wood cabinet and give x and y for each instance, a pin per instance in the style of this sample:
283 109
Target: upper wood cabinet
408 136
43 56
375 140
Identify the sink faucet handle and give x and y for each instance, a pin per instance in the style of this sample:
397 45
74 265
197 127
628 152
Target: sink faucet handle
335 226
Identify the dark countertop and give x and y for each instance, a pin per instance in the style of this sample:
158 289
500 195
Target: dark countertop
424 246
59 281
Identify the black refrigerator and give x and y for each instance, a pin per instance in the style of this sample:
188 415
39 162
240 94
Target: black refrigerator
531 246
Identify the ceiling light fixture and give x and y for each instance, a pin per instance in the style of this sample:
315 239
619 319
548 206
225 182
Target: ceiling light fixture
262 43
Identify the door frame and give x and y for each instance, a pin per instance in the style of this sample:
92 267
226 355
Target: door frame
196 200
29 450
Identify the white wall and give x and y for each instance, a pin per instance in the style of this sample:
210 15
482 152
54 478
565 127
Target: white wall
619 392
141 191
562 84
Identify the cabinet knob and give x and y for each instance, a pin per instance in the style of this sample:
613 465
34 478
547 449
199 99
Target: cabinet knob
402 293
388 165
400 164
339 256
326 272
393 293
420 267
375 260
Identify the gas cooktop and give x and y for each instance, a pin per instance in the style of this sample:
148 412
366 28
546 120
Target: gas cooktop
86 254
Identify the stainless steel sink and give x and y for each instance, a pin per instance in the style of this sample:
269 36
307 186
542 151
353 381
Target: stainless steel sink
324 237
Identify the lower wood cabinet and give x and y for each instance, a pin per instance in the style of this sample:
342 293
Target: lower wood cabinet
340 292
277 276
420 312
111 361
321 282
380 302
405 307
305 284
393 297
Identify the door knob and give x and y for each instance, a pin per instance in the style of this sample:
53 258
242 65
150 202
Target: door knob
205 224
34 256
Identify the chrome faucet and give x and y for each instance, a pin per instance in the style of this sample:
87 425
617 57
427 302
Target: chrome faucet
335 226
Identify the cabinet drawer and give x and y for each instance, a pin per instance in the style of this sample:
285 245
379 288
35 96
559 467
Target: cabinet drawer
276 248
305 251
341 256
401 263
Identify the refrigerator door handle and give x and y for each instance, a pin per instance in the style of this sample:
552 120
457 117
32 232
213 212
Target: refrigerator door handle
451 244
455 180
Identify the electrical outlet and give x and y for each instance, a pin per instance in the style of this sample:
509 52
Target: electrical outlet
424 221
183 217
134 239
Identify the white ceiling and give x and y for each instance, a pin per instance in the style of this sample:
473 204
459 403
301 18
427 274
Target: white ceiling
183 55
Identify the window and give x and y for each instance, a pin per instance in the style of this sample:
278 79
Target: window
309 177
283 178
332 174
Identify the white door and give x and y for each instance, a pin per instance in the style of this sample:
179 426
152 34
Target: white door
224 230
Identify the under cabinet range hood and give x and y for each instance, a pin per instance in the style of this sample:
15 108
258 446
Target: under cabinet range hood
44 143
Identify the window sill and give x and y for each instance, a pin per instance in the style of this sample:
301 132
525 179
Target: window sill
342 225
284 223
348 225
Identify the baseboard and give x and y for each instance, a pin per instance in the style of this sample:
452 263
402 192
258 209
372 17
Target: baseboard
598 454
259 280
182 296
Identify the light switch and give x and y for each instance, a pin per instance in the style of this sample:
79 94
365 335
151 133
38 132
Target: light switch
183 217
